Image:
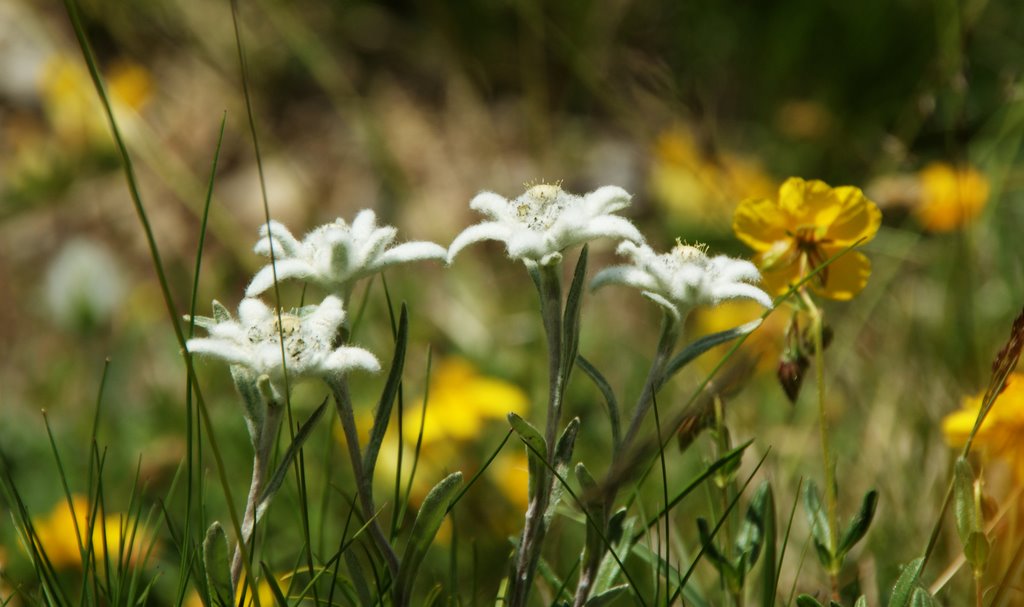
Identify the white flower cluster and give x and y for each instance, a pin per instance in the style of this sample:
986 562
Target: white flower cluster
536 228
333 256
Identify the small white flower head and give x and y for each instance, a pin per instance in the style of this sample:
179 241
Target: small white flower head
684 277
546 220
253 341
335 255
84 285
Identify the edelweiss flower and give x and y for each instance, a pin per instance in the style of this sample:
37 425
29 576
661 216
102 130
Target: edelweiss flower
684 277
336 254
546 220
254 340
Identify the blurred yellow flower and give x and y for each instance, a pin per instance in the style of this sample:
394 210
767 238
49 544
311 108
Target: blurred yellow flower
266 594
72 106
511 475
699 187
951 197
806 225
57 537
461 400
764 344
1001 435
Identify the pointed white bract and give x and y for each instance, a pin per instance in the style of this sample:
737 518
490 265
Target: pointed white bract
546 220
684 277
335 255
253 341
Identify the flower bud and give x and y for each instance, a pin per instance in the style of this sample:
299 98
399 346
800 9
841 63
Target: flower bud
791 375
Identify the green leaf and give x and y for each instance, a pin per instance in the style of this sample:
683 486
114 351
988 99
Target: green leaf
563 454
282 468
424 528
818 521
967 519
806 600
921 598
861 602
976 550
620 536
702 345
859 524
387 398
906 583
571 317
611 403
218 565
751 533
770 567
536 451
606 597
722 564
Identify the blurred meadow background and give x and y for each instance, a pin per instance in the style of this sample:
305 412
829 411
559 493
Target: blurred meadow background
410 109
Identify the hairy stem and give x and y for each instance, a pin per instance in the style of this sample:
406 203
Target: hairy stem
532 540
263 444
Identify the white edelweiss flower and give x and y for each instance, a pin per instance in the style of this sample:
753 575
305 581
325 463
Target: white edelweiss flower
253 341
545 220
684 277
336 254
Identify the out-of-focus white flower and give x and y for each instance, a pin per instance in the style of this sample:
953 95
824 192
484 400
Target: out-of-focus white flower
83 285
335 255
684 277
546 220
253 341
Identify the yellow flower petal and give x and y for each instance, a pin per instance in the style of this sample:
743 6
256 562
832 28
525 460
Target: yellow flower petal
844 277
760 223
950 197
858 218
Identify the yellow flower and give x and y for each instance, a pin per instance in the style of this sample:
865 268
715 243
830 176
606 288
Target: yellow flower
950 197
461 400
701 187
57 537
809 223
71 103
266 593
764 344
1001 435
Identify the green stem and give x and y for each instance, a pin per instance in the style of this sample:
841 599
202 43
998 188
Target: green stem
831 499
534 529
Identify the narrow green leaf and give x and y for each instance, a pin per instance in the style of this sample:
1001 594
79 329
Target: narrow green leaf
387 398
861 602
702 345
536 451
563 454
218 565
731 458
620 537
275 588
606 597
806 600
818 521
906 583
976 550
751 534
286 461
424 528
571 317
859 524
611 404
967 521
593 546
769 569
358 578
717 559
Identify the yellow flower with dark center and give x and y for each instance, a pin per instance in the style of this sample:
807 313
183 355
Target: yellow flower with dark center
809 223
950 197
1000 435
